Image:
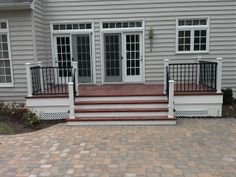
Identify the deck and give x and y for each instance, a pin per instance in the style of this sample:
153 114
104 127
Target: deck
125 90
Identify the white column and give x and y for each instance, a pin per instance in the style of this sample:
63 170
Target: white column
166 63
219 75
29 79
71 100
40 64
75 66
171 99
199 58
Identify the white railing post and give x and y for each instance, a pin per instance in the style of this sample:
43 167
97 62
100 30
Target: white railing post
171 99
39 63
199 58
219 75
29 79
166 63
71 100
75 66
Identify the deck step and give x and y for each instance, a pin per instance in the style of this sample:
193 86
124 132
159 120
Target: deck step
121 102
120 95
107 110
129 118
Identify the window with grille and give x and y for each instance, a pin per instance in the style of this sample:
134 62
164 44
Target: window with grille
5 61
192 36
125 24
72 26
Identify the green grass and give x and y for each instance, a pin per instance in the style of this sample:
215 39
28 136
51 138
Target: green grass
5 129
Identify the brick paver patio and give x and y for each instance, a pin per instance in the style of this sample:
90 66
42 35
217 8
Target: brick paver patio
192 148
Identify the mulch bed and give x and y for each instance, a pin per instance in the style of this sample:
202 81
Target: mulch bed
17 125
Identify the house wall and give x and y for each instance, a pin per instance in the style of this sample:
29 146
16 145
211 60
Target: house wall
39 33
161 16
22 51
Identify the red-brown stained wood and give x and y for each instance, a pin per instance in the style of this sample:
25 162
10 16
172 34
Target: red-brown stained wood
122 102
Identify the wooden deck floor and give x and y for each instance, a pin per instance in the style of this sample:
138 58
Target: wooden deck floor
126 90
121 90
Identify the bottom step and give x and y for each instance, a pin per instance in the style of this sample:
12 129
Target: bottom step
145 120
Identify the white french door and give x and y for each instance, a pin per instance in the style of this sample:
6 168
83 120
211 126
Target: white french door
75 47
132 57
123 57
62 49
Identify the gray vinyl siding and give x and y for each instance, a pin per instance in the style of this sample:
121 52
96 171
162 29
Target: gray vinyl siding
21 42
40 35
161 16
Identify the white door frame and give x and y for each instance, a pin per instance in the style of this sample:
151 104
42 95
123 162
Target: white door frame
76 32
121 31
123 62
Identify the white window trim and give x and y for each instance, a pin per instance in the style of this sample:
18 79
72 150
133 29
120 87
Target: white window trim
9 53
121 30
71 32
192 28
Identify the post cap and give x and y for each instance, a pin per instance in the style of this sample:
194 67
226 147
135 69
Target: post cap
220 58
166 60
70 83
171 81
27 63
199 58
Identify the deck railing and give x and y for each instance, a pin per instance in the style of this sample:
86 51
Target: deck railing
50 80
194 77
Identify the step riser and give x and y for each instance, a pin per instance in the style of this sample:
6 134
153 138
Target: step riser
120 114
172 122
121 98
122 106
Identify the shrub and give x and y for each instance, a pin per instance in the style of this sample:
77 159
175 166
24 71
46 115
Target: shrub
227 96
30 118
18 110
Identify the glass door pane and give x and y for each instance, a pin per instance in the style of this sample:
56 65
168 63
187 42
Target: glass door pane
63 55
112 55
82 54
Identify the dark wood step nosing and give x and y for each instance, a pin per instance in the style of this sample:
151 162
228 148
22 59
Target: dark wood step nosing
121 110
119 95
122 102
142 118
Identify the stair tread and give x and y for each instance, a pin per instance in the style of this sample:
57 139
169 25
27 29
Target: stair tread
81 110
128 118
122 102
119 95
